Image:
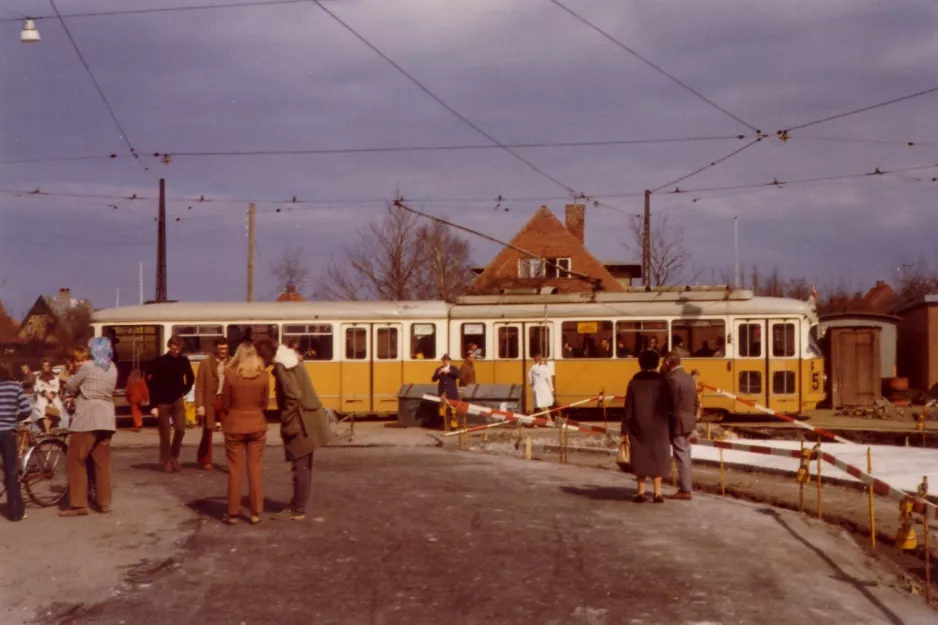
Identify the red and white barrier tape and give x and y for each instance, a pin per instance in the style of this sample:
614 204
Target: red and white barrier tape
505 415
879 487
779 415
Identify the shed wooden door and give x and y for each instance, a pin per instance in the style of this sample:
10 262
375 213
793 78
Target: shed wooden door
855 366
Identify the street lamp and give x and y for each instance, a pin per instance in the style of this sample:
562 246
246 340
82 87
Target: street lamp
29 33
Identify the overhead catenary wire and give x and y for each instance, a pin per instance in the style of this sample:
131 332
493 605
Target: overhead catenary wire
823 120
653 65
97 85
707 166
327 203
380 149
199 7
465 120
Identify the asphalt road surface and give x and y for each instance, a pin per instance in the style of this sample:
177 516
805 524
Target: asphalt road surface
426 535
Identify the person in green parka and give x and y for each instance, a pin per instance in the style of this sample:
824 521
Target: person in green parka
304 425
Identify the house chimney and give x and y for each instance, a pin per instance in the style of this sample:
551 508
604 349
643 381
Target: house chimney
880 284
65 294
576 221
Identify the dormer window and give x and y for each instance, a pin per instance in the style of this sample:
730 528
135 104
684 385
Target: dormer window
544 268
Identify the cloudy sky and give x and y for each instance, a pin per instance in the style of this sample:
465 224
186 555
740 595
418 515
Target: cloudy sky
289 77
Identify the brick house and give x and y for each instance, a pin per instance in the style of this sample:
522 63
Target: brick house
917 357
42 324
563 245
290 294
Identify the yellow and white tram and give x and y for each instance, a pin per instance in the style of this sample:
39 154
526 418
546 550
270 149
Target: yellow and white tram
359 354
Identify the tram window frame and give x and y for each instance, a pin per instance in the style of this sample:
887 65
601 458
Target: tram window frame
786 380
473 338
312 345
789 344
199 339
539 341
419 344
746 387
151 338
640 331
685 328
351 351
512 341
604 330
258 332
393 353
744 340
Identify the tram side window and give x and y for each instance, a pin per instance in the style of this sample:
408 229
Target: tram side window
356 340
702 338
473 340
750 340
314 342
587 339
539 341
423 341
386 347
247 333
133 345
508 342
750 382
634 337
783 340
198 340
783 383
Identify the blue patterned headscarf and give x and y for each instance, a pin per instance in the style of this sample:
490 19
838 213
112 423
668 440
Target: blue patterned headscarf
101 351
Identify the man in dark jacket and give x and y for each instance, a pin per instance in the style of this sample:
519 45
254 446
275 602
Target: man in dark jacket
304 426
683 420
170 378
446 377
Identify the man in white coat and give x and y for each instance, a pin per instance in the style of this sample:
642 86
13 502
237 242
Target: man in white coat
541 378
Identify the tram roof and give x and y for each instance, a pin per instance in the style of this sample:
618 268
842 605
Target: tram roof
754 307
270 311
218 312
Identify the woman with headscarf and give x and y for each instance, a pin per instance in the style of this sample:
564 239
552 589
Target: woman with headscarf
93 424
244 396
647 423
49 410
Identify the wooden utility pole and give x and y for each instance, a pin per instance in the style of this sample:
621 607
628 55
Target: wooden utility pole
161 290
251 252
646 242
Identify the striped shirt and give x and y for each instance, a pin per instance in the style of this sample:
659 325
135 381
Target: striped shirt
14 405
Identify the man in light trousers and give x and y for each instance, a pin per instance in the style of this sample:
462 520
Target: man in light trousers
683 421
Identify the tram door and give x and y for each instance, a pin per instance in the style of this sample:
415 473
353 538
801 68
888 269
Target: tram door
537 341
784 387
387 366
750 363
509 366
356 369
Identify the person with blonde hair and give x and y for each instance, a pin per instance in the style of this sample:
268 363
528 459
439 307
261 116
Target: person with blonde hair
245 392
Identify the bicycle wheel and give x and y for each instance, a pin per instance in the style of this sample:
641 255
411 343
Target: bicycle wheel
44 479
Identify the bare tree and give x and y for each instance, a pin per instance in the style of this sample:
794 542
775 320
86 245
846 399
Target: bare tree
399 258
73 328
915 279
289 270
444 273
8 326
670 258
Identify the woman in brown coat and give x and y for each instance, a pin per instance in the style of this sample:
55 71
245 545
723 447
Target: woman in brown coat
647 422
244 397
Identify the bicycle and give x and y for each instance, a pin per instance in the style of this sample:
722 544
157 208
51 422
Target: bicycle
42 465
